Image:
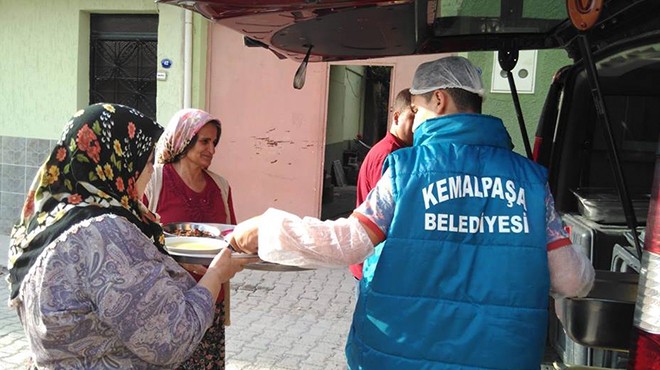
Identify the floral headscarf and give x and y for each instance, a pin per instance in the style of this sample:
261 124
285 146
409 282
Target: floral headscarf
91 171
180 131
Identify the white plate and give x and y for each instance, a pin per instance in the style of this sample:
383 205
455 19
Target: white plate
196 259
194 245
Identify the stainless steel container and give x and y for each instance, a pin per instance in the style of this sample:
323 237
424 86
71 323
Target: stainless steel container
604 318
603 205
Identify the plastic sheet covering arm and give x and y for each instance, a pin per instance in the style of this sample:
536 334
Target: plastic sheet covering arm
571 272
308 242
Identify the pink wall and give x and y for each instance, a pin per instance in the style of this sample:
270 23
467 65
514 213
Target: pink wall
273 136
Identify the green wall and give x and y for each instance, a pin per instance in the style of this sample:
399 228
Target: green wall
343 104
547 63
501 104
200 49
44 71
345 100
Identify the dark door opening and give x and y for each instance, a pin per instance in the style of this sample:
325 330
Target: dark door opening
358 101
123 60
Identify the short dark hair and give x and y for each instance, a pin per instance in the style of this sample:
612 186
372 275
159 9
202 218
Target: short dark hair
401 102
465 101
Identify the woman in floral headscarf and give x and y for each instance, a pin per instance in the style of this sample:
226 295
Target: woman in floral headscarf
184 190
87 271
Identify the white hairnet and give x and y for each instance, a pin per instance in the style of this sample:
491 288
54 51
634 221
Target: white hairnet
447 73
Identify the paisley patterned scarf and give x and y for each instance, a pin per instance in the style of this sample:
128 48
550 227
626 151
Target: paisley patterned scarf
179 134
92 170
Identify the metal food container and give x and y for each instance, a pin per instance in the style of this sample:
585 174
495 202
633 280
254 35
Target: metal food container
225 229
191 229
603 205
604 318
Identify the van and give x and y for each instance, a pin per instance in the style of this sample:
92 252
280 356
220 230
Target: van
597 133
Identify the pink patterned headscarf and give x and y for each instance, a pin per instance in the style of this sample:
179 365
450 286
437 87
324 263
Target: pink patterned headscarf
181 129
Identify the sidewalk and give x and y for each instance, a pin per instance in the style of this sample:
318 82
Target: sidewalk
279 320
14 352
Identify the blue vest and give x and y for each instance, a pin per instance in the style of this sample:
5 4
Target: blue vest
462 280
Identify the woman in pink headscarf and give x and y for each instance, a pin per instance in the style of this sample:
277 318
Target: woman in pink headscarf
182 189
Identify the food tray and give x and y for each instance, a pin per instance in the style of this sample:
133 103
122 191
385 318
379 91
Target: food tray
201 258
603 205
269 266
214 241
205 259
225 229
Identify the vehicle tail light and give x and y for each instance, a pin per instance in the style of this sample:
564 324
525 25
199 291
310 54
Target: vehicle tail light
645 346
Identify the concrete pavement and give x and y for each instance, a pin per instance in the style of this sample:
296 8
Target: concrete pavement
290 320
279 320
14 351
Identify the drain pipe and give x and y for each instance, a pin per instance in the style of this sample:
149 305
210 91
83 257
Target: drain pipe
187 59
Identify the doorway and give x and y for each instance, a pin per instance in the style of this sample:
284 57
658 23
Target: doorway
123 60
358 101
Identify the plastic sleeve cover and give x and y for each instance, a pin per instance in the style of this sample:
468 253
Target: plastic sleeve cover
571 272
309 242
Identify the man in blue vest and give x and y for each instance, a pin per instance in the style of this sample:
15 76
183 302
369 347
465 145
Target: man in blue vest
461 239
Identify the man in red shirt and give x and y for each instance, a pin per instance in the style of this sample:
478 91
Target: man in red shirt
399 135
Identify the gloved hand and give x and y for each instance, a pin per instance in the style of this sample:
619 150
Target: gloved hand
245 237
